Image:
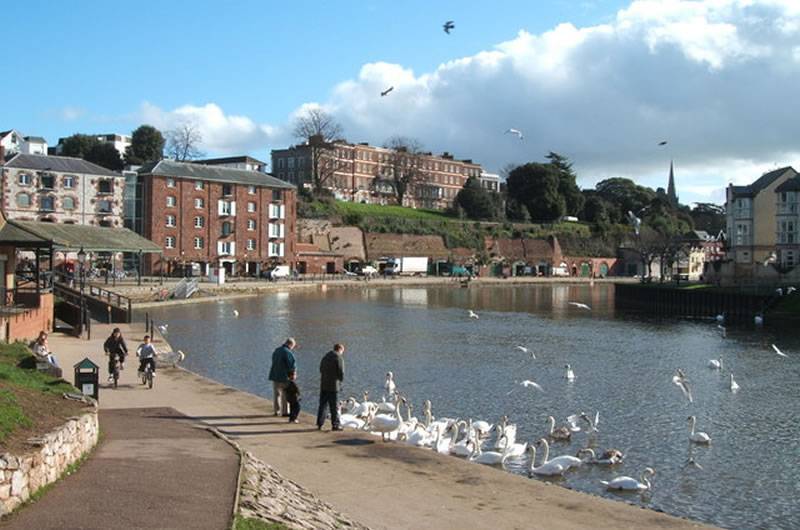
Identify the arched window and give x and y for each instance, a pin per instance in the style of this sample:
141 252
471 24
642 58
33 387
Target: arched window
68 203
226 228
23 200
48 203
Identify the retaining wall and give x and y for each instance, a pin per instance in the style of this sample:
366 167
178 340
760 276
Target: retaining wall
23 475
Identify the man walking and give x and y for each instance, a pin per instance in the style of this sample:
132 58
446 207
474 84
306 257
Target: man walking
331 370
282 365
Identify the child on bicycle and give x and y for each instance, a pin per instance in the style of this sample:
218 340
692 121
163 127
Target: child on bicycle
146 353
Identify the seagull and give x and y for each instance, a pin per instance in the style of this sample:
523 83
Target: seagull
592 424
473 314
386 92
181 355
580 305
680 380
759 320
526 350
778 351
722 330
663 142
447 26
163 328
573 423
720 318
734 385
570 374
236 313
635 221
532 384
790 290
779 291
514 131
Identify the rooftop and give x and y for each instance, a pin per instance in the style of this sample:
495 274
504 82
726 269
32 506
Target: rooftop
230 160
62 164
37 139
764 181
75 237
171 168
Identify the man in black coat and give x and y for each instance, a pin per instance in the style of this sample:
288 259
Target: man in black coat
331 370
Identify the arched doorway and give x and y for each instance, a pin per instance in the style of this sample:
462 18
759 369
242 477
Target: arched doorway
603 269
586 269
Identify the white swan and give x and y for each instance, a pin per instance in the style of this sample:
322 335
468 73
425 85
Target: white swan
387 423
570 375
631 484
489 458
418 436
567 461
462 448
610 457
389 385
548 469
559 434
443 441
512 449
482 428
697 437
505 429
715 364
734 385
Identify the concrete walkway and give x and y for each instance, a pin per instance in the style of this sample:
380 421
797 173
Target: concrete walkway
152 469
381 485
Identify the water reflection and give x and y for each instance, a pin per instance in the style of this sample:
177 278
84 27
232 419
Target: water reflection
467 367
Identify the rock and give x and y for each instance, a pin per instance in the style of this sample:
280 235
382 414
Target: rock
5 492
18 482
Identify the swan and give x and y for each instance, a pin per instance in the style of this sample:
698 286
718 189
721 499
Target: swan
610 457
548 469
631 484
489 458
567 461
443 442
758 320
734 385
418 436
507 430
558 434
482 428
513 450
236 313
365 406
570 376
389 386
387 423
697 437
715 364
462 448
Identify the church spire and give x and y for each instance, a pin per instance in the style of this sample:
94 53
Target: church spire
672 196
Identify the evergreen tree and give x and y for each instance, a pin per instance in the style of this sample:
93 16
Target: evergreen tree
147 145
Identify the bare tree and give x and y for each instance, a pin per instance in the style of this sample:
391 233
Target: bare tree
405 166
324 162
183 142
317 122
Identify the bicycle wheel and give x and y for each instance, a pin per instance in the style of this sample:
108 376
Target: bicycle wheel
149 379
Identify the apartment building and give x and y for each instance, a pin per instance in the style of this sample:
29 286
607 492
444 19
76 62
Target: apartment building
59 189
207 217
365 173
762 219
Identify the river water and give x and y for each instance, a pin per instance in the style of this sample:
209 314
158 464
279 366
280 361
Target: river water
471 368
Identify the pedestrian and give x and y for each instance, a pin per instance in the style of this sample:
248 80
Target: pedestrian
293 397
331 370
283 363
41 350
115 346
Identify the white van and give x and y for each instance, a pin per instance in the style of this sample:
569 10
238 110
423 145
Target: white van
281 271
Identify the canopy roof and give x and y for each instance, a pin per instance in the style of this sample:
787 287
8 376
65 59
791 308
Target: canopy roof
74 237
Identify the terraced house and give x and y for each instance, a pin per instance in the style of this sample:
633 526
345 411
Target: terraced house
206 217
59 189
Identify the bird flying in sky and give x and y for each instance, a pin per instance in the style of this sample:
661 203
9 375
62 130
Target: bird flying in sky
514 131
580 305
778 351
532 384
473 314
386 92
664 142
526 350
447 26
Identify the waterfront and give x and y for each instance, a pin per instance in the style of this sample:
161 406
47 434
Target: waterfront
467 367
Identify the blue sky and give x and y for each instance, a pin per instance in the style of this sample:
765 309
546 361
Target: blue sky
601 81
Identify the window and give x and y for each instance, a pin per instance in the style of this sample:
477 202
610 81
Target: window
170 220
226 247
199 203
281 163
251 224
251 207
251 190
170 201
48 204
277 195
275 250
69 182
227 228
251 244
170 182
48 181
24 179
227 189
277 211
199 185
23 200
104 206
68 203
169 242
198 243
276 230
105 186
199 222
226 207
291 163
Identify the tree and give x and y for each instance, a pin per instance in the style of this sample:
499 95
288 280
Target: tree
147 145
709 217
536 186
78 145
405 166
567 183
476 200
106 155
624 195
183 142
595 208
316 122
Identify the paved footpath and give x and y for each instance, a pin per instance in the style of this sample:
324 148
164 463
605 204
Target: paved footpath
152 469
382 485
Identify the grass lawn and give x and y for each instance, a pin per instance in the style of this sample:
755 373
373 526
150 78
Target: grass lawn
378 210
246 523
30 402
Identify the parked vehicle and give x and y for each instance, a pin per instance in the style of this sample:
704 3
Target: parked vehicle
408 266
368 270
276 273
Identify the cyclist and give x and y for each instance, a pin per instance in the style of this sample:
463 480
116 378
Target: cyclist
146 353
115 346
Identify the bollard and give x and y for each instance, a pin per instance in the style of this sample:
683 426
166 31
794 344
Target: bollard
108 309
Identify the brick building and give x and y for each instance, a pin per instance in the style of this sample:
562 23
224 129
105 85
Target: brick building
364 173
60 189
206 217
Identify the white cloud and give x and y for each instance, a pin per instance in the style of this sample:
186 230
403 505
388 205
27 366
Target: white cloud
70 113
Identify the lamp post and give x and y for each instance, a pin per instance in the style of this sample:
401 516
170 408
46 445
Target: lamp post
81 262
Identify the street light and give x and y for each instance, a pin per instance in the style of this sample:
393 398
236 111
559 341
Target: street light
81 262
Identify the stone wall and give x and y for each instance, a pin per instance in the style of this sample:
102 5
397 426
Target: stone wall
23 475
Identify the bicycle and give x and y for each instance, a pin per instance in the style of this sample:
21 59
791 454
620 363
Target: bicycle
115 371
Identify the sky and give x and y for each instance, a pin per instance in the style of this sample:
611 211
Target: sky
602 82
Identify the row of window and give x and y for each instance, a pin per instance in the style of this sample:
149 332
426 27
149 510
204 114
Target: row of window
227 189
226 207
228 247
47 181
48 203
276 230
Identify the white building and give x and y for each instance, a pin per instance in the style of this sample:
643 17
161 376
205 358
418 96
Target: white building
119 141
12 140
34 145
490 181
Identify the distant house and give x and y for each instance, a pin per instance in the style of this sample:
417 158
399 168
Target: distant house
34 145
246 163
120 142
11 141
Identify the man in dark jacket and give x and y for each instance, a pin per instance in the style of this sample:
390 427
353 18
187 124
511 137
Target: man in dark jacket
115 346
331 370
283 364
